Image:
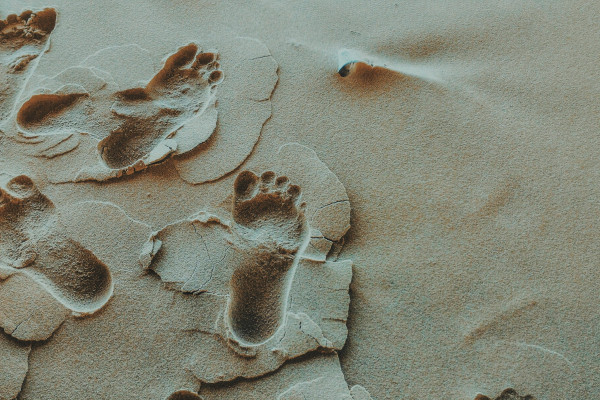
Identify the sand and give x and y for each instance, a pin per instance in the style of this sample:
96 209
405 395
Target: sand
285 200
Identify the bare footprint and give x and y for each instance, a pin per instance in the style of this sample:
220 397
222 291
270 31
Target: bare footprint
149 115
184 395
31 243
278 302
508 394
23 38
133 126
271 229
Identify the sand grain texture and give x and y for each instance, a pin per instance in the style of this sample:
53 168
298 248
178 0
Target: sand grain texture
447 153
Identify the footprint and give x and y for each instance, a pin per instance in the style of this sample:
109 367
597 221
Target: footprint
508 394
134 127
252 259
184 87
248 261
23 38
65 117
31 243
271 230
244 109
184 395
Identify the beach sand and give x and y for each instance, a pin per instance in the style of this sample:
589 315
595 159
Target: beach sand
299 200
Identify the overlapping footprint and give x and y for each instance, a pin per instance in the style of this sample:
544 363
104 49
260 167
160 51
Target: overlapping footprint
135 127
23 38
110 126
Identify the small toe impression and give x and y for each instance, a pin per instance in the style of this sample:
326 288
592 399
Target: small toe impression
183 56
281 183
215 77
16 189
294 192
25 15
245 184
